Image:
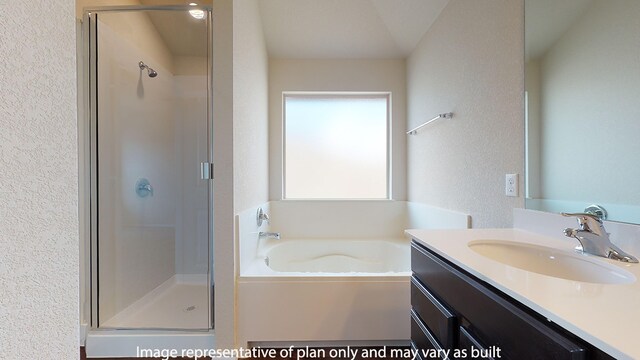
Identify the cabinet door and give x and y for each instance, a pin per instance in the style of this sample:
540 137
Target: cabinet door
496 320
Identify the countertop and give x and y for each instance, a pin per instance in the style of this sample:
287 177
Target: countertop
607 316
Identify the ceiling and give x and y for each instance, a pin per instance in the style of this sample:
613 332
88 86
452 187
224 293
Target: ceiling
547 20
316 28
356 28
346 28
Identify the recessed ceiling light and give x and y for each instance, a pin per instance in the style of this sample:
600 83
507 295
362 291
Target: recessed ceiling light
198 14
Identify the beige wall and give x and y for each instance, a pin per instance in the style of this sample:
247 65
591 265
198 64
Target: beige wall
38 182
250 141
223 217
250 108
190 65
471 63
338 75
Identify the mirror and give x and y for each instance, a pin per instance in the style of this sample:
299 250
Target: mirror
583 106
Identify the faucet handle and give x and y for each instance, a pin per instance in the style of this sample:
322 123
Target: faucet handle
582 215
588 222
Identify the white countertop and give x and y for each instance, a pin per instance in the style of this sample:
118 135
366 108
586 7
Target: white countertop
607 316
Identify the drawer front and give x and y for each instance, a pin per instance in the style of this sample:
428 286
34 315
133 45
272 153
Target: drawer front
415 349
435 315
471 345
421 337
497 322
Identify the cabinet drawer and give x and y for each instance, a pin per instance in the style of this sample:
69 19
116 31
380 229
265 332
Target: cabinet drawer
497 321
468 343
414 348
421 337
435 315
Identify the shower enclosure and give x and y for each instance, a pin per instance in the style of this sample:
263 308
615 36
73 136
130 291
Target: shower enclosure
148 84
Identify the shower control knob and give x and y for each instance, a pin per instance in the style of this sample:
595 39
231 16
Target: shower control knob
144 188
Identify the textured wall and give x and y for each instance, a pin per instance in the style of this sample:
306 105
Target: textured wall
471 63
250 121
38 181
223 218
339 75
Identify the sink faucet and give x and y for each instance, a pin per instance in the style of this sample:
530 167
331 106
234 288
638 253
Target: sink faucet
594 239
269 235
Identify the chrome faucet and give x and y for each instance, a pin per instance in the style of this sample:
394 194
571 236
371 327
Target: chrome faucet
594 239
268 235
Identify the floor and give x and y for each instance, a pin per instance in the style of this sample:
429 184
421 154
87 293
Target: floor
327 351
174 304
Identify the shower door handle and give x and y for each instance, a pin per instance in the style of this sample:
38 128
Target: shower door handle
206 171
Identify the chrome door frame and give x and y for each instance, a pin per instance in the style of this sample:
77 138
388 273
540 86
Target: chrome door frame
90 119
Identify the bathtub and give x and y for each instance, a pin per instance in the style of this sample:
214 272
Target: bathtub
340 273
328 290
333 257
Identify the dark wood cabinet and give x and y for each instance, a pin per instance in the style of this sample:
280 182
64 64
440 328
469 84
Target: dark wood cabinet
437 317
452 309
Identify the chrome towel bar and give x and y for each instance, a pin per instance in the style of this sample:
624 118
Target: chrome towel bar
414 131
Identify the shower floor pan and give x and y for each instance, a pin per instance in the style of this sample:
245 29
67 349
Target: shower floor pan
175 304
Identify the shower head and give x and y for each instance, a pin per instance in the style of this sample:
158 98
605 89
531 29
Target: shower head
152 73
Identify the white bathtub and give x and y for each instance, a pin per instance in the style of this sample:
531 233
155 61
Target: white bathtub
328 290
337 256
340 272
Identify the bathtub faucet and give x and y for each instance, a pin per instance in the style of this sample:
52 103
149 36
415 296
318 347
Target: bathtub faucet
269 235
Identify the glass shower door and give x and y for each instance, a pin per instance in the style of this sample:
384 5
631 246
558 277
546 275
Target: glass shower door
150 122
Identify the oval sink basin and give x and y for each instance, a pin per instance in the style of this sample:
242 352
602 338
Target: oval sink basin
551 262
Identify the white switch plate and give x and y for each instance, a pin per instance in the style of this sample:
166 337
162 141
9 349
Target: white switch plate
511 185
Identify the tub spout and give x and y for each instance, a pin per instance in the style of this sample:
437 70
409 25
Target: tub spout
269 235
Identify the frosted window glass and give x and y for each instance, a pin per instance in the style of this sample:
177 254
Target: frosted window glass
336 147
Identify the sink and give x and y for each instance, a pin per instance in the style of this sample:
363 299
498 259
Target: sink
552 262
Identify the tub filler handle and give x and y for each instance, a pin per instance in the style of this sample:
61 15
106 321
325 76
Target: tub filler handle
269 235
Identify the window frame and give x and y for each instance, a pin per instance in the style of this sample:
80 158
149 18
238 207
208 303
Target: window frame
387 95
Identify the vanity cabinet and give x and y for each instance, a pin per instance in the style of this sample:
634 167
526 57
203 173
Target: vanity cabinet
452 309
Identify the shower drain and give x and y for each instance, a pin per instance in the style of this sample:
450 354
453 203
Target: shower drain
190 308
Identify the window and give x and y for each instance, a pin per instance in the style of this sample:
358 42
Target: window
336 146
